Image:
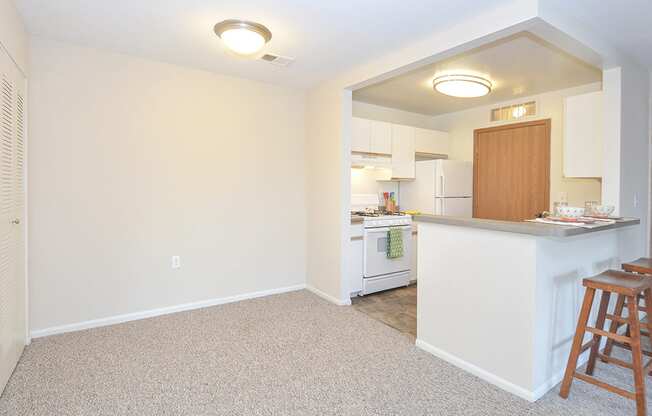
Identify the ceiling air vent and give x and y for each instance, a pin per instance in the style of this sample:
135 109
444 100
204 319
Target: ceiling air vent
277 60
514 112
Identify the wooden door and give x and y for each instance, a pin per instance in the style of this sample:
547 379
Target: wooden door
511 171
13 325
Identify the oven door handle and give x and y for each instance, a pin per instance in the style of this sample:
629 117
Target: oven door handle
385 229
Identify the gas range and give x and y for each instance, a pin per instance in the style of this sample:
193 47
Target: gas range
374 219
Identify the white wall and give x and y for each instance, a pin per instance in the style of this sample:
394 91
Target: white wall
392 115
634 151
373 181
13 36
133 161
461 125
612 102
328 158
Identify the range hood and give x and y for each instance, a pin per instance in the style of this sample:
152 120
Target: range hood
361 160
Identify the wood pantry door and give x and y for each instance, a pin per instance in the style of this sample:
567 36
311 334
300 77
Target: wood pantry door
511 171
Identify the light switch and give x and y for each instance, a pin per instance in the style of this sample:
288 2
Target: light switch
176 262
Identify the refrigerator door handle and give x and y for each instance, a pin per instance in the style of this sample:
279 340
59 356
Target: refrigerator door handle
441 186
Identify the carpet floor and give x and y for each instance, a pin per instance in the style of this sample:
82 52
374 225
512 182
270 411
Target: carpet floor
289 354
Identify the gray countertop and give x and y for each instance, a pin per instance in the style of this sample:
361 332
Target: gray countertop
357 219
531 228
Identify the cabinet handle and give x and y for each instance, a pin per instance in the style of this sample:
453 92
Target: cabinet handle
15 221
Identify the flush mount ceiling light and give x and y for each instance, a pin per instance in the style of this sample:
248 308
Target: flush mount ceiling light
464 86
242 37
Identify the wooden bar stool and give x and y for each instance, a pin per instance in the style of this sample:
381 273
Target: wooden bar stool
630 286
641 266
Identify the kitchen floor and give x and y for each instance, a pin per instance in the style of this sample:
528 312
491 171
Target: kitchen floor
396 308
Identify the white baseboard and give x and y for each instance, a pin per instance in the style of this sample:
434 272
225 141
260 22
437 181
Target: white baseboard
477 371
499 382
326 296
557 378
112 320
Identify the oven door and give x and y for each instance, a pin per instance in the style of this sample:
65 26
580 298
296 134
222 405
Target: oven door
376 262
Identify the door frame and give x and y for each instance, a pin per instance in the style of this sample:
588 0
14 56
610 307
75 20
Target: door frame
543 122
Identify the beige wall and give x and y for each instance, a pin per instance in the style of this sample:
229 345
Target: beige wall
328 175
461 125
134 161
13 36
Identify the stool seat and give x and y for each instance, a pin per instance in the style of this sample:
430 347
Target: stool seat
629 287
615 281
642 265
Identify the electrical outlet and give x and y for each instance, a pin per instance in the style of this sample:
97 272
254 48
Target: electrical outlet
176 262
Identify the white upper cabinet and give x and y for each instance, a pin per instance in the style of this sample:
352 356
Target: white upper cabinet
432 141
403 149
583 136
381 137
360 135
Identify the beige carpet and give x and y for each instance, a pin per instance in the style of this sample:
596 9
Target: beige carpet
290 354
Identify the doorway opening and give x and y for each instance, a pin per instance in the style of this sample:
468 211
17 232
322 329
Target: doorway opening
501 155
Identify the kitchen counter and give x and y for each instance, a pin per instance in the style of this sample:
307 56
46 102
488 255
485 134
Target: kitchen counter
522 227
357 219
510 292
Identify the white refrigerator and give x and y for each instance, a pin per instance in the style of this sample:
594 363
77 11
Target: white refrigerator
441 187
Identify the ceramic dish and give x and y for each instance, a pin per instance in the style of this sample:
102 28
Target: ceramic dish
570 212
602 210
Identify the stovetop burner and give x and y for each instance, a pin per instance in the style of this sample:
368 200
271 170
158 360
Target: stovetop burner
375 213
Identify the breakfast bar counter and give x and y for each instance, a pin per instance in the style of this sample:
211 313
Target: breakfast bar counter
500 299
522 227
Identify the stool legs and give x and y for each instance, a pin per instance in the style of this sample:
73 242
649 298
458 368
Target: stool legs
613 327
633 341
595 348
577 342
637 355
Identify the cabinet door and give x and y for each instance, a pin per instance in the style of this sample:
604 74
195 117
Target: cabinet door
381 137
583 141
360 135
403 152
432 141
356 265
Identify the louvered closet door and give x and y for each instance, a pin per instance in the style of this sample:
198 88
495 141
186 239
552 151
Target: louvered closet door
12 207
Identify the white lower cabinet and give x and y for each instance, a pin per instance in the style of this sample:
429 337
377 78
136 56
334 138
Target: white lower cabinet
355 267
413 262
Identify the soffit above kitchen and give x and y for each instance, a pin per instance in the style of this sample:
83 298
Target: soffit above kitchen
324 38
520 65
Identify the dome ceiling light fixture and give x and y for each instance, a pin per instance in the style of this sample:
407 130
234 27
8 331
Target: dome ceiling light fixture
243 37
463 86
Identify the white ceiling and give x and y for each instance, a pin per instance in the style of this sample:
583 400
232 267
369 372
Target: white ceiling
518 66
625 24
325 37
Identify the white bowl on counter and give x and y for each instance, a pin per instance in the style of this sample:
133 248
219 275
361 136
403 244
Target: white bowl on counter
602 210
570 212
